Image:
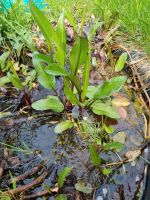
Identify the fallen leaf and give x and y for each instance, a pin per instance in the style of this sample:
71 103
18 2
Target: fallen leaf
120 137
122 112
121 102
132 155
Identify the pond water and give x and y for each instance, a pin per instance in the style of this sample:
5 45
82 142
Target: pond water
36 130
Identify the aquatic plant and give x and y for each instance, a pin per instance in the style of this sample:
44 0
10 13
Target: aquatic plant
76 87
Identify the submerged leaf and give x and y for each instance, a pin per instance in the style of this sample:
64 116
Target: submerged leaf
62 176
50 103
94 156
116 146
61 197
80 186
63 126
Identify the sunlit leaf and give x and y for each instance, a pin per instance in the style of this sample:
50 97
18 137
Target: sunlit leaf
50 103
63 126
121 62
109 87
71 19
62 176
43 58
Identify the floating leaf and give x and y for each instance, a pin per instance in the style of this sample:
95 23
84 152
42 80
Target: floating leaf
63 126
94 156
117 146
80 186
107 171
62 176
50 103
104 109
120 137
121 62
109 87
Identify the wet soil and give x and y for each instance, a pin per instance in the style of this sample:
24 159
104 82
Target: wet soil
36 130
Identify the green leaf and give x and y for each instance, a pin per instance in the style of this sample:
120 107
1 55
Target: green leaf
15 81
121 62
107 171
94 156
43 23
55 69
86 77
5 114
78 54
61 48
109 87
63 126
91 90
61 197
71 19
39 57
108 129
80 186
116 146
104 109
50 103
69 93
4 80
62 176
3 59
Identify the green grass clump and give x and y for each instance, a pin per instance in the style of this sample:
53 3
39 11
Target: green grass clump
132 15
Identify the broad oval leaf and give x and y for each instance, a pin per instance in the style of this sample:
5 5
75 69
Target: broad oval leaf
63 126
121 62
50 103
116 146
62 176
104 109
109 87
55 69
